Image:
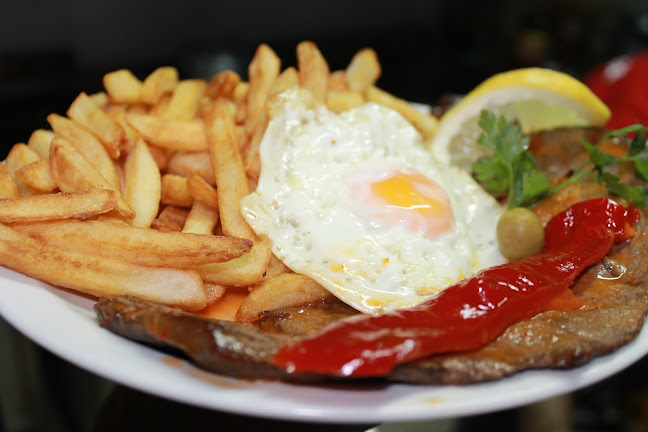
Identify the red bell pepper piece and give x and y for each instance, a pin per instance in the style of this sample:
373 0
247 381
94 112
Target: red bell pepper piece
473 312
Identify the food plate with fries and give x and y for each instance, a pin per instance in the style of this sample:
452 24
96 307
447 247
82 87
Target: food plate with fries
190 194
64 323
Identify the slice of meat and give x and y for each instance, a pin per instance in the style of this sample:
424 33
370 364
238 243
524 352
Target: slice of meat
615 290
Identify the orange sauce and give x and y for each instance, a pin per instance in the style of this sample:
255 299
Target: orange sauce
227 306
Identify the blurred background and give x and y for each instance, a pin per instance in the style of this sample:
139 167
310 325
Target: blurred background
52 50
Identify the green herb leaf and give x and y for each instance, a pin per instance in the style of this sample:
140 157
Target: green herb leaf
597 157
617 187
511 171
493 175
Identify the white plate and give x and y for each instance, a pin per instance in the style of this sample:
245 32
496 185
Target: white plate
65 324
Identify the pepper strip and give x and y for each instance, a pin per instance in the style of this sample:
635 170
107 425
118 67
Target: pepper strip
473 312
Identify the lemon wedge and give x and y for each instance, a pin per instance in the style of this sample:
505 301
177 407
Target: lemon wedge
538 99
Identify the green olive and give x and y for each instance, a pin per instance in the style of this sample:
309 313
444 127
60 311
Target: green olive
519 233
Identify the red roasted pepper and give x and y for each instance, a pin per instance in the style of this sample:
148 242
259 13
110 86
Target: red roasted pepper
473 312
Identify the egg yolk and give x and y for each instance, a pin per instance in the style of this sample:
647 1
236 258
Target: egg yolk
412 199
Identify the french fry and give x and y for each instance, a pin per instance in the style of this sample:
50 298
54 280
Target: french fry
228 168
175 191
284 291
263 70
107 130
340 101
222 85
100 99
214 292
142 184
19 156
39 141
122 87
8 187
37 175
86 144
118 113
287 79
136 245
239 272
185 135
313 69
337 82
202 191
184 101
100 276
185 163
62 205
171 218
363 71
201 219
425 123
240 92
73 173
161 156
160 107
160 82
252 161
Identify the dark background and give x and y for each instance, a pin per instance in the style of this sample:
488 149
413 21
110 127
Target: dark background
52 50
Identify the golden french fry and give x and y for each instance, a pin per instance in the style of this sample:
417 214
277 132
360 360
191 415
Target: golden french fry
122 87
228 168
202 191
240 92
160 82
175 191
19 156
363 71
160 107
275 268
89 115
171 218
252 161
100 276
337 82
287 79
263 70
185 163
100 99
283 291
214 292
118 113
37 175
201 219
313 69
136 245
62 205
186 135
222 85
142 184
340 101
184 101
239 272
40 141
73 173
86 144
8 187
425 123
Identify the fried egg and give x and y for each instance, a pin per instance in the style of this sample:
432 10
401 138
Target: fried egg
354 201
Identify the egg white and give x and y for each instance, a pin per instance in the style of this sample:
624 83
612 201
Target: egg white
310 156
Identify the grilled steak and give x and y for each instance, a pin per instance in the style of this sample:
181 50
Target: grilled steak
615 292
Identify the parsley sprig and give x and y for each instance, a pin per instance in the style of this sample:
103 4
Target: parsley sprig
511 171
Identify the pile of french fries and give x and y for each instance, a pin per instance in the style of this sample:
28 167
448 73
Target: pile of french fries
136 190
